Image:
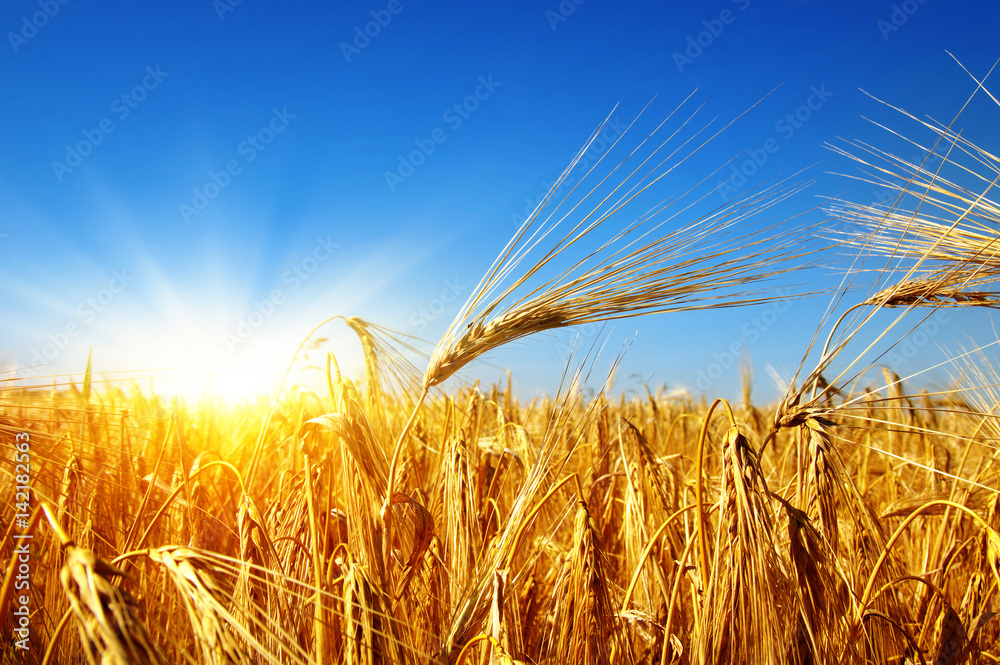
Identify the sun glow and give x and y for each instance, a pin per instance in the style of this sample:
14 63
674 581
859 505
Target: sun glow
199 366
212 332
255 370
230 381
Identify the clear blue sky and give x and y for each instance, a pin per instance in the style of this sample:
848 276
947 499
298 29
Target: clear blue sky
169 170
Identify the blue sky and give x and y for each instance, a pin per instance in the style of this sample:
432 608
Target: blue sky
171 172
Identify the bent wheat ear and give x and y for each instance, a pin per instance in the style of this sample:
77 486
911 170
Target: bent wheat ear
204 593
952 638
638 268
388 372
109 629
944 290
940 229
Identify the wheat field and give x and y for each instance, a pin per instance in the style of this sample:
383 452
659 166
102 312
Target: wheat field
399 517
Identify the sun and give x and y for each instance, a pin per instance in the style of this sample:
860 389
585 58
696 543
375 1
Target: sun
216 345
227 381
197 367
254 374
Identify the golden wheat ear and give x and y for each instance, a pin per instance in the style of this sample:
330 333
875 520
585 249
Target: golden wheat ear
106 615
389 372
747 584
587 255
939 219
205 590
